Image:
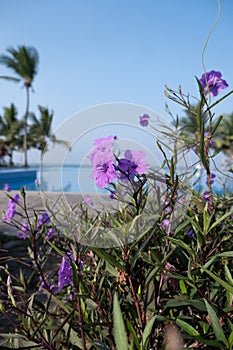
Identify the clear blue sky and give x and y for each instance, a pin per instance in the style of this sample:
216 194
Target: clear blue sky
100 51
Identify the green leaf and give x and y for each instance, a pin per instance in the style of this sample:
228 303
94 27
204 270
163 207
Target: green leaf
230 339
183 287
179 302
73 338
227 254
215 323
119 327
58 302
219 100
133 332
216 125
202 146
222 218
224 284
181 244
107 257
190 330
147 332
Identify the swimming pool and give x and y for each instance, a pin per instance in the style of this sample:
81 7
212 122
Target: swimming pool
18 177
72 178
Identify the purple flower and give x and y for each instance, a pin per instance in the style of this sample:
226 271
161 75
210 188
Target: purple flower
43 220
103 170
10 213
105 142
144 120
138 158
24 231
64 274
190 233
206 195
213 83
102 145
165 222
210 138
50 234
7 188
113 195
15 198
11 208
88 200
46 285
105 174
127 169
102 159
212 178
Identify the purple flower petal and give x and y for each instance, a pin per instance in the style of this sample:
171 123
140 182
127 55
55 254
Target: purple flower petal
213 83
144 120
7 188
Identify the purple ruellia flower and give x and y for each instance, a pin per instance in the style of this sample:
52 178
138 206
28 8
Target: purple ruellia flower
113 195
7 188
101 145
46 285
87 200
165 222
103 167
102 159
206 195
212 178
22 234
190 233
213 83
64 274
144 120
127 169
105 142
138 158
210 139
104 173
11 208
43 220
51 232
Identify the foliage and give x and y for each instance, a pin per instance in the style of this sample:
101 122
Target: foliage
10 128
166 279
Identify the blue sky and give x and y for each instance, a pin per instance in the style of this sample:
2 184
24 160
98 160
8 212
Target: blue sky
101 51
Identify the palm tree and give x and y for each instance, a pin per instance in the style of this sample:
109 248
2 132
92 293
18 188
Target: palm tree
24 62
40 131
10 128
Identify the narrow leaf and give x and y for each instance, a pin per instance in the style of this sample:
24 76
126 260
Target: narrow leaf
215 323
119 327
147 333
190 330
224 284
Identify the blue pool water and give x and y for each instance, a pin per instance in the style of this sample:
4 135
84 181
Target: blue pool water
55 179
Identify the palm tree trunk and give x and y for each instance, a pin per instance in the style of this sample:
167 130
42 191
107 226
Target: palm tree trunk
26 129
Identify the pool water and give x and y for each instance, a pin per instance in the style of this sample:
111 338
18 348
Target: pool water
18 177
53 179
72 179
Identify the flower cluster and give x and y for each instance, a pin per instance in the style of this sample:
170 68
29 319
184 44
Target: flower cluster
107 168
